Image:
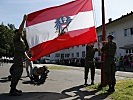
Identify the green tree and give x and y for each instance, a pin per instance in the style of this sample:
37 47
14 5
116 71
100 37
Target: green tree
6 39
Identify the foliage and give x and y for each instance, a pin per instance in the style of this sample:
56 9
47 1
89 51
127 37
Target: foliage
6 39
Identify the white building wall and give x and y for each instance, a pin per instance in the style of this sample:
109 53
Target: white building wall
117 27
74 52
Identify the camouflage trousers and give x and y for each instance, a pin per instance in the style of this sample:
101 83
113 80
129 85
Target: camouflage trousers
110 70
16 73
89 66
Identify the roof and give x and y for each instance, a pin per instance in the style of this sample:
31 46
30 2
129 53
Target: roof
128 46
123 16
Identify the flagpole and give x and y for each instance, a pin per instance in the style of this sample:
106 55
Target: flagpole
103 81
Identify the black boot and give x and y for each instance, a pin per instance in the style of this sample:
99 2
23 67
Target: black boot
15 92
111 88
85 84
92 82
19 91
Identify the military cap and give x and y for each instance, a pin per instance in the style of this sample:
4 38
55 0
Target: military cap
111 36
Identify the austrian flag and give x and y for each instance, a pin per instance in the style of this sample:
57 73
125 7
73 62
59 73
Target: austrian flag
56 28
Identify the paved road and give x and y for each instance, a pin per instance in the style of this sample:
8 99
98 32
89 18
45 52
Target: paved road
60 85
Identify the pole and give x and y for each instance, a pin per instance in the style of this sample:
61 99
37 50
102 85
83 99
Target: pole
103 81
103 22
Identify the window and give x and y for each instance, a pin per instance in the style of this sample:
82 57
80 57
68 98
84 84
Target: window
72 55
126 51
67 55
128 31
132 50
57 55
131 31
83 54
100 38
129 51
77 54
62 56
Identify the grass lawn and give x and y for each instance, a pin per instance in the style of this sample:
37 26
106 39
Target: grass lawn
57 67
123 90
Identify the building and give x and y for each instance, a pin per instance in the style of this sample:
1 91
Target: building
121 29
70 55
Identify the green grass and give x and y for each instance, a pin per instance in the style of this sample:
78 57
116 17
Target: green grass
123 90
57 67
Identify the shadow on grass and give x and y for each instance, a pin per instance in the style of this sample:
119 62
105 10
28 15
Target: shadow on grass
100 96
80 93
34 96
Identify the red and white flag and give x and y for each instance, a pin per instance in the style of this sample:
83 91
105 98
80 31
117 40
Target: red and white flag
56 28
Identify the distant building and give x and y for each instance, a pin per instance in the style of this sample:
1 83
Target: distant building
121 29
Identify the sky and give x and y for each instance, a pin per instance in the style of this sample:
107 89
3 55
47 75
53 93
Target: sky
12 11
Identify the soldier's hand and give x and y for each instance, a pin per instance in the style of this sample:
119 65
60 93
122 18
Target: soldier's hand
104 42
25 17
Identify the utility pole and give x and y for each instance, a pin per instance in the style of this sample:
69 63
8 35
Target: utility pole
103 81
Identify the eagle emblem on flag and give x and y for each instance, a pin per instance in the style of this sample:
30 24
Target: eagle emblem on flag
62 24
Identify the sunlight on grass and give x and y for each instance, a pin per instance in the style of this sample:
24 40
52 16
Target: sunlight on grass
96 87
123 90
57 67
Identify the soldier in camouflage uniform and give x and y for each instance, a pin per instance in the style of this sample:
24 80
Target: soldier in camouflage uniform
19 55
89 63
109 50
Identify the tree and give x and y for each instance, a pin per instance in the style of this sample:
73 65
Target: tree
6 39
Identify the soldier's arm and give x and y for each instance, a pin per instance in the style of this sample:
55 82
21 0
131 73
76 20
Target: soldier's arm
26 55
99 49
114 49
21 27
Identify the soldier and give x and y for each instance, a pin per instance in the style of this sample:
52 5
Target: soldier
28 64
109 50
19 55
39 74
89 64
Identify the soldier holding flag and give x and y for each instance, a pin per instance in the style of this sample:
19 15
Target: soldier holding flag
89 63
109 50
19 56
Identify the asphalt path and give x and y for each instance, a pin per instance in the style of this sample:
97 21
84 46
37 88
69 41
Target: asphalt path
66 84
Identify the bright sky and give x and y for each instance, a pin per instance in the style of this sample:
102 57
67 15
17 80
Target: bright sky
12 11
